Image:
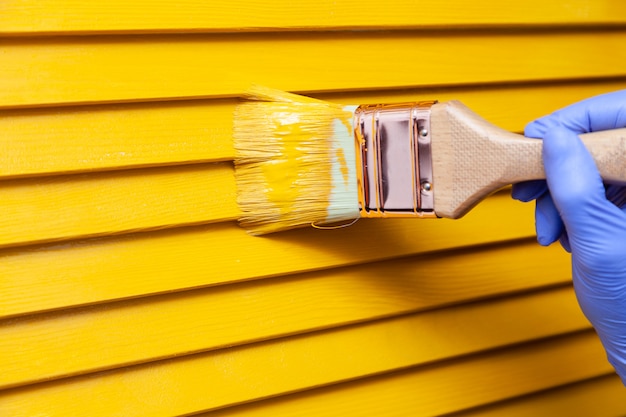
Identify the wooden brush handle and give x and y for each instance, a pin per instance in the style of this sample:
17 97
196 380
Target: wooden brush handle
473 158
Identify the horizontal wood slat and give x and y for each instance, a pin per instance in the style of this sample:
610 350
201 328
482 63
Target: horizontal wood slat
128 289
598 397
88 138
55 16
103 137
72 206
52 71
116 335
443 389
439 392
222 378
92 271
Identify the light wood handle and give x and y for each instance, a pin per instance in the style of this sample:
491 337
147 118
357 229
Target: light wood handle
472 158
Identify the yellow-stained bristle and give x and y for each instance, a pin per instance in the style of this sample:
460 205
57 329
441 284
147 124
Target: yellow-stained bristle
286 156
262 93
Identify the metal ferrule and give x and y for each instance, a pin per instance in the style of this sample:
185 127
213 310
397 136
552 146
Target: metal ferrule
394 168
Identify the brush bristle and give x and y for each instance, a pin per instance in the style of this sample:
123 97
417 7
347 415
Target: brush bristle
295 163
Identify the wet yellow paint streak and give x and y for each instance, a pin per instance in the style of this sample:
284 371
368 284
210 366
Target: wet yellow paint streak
282 175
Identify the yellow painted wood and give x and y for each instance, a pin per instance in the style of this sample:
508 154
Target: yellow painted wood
434 392
509 106
37 141
218 379
137 331
76 206
103 137
598 397
107 203
447 388
49 71
53 16
92 271
382 318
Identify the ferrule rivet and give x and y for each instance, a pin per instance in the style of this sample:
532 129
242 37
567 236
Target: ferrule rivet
423 133
426 186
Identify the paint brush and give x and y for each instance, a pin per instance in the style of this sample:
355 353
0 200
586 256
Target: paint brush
301 161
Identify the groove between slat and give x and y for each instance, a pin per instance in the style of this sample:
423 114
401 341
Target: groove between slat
214 380
117 334
78 272
598 397
403 393
88 138
91 271
66 207
53 71
104 137
36 17
90 204
601 396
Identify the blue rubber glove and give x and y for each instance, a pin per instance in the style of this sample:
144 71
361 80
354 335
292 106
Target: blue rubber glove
587 217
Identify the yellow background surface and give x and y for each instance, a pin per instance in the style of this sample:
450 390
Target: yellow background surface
127 288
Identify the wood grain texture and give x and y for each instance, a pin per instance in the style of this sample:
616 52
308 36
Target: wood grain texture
65 70
66 207
600 397
472 158
48 277
438 390
145 330
63 16
116 136
133 291
217 379
89 205
52 141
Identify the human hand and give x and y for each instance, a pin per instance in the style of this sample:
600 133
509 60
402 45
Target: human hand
588 218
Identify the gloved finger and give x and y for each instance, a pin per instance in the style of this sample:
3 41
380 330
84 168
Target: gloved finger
548 223
576 187
538 128
603 112
529 190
